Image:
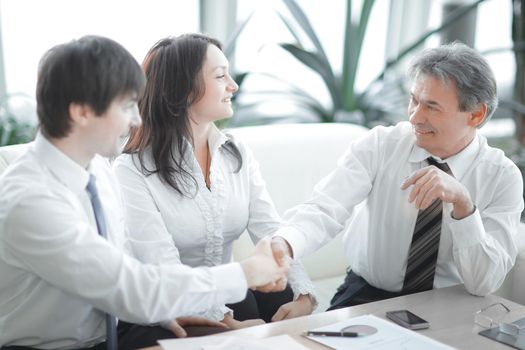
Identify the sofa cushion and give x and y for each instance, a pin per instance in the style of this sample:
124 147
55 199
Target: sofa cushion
293 158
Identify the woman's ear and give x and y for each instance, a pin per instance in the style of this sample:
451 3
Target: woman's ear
478 115
80 113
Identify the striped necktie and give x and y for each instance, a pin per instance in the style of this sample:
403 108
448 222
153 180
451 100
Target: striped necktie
422 256
111 322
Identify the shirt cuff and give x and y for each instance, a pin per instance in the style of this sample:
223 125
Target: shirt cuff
215 314
301 283
294 238
310 293
468 231
231 277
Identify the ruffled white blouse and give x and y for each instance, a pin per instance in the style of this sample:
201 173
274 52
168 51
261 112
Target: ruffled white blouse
165 226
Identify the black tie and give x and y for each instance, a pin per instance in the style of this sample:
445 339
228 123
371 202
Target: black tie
111 322
422 256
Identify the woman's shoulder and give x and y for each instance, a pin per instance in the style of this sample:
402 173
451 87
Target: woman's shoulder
125 160
132 162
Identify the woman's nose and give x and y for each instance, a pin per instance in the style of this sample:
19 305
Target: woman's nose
233 87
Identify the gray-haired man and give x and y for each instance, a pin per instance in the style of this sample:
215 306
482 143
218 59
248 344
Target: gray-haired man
442 206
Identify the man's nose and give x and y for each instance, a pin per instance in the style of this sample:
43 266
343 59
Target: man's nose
416 116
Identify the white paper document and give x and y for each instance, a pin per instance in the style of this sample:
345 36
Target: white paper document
224 342
388 336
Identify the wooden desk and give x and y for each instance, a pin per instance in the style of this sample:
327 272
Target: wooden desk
449 311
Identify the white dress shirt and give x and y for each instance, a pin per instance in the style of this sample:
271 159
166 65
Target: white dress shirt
478 250
57 272
200 231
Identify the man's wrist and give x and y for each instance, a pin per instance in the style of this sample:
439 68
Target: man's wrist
460 212
280 240
463 208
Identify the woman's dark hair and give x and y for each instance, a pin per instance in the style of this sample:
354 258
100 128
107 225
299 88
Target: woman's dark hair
174 82
92 70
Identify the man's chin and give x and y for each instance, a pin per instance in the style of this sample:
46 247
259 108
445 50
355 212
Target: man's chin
420 142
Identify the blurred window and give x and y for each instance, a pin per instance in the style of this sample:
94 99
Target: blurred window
31 27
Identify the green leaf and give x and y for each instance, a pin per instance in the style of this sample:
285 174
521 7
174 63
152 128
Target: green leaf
15 132
348 38
240 77
294 97
290 29
292 90
354 37
304 23
316 64
231 43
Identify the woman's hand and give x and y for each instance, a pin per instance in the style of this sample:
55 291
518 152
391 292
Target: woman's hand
302 306
176 326
234 324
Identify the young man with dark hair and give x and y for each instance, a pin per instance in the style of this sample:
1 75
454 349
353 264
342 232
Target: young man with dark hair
65 272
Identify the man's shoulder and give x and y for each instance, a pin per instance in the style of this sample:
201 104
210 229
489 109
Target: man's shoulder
125 159
24 180
26 171
495 159
394 138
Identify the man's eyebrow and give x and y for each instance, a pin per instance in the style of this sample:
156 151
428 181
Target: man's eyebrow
433 103
427 102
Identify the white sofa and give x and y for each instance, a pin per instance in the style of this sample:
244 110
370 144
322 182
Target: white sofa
293 157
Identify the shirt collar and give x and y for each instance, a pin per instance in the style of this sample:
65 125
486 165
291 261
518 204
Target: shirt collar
458 163
216 138
66 170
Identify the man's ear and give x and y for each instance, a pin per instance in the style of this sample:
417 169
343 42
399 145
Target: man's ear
80 113
478 115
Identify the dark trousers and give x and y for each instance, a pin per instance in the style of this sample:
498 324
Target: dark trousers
356 291
133 336
260 305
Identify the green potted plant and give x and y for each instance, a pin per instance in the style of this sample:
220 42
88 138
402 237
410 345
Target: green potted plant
346 103
13 129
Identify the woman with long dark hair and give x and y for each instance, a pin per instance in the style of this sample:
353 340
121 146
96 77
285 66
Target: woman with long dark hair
189 189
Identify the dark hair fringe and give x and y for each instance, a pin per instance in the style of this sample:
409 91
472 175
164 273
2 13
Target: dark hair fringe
92 70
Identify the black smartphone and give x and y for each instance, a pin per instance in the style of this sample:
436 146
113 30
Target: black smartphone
407 319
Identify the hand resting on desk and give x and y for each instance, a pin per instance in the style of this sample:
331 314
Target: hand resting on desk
176 326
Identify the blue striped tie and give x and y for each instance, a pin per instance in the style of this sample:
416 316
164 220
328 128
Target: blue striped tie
422 256
111 322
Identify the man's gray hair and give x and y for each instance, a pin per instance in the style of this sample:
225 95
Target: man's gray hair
466 68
